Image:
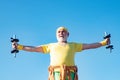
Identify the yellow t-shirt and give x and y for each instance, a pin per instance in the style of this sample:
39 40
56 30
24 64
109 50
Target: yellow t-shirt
62 55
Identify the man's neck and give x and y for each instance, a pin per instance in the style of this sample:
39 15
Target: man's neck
62 43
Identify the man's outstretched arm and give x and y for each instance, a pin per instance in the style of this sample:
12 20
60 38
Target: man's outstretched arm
27 48
96 45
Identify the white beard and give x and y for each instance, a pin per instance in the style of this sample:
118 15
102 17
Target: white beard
61 39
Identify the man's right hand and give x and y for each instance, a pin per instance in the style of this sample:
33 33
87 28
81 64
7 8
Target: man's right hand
14 45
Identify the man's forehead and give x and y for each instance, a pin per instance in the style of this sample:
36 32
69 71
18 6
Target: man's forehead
62 29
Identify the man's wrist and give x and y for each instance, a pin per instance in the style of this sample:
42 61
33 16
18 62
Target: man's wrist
103 43
20 47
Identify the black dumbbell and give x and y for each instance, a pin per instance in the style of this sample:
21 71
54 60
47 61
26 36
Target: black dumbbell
13 39
109 44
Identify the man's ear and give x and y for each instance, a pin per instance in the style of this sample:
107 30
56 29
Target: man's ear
68 34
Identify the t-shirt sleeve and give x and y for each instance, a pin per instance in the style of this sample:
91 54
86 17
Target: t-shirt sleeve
46 48
78 47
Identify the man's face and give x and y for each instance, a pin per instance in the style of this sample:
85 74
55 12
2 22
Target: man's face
62 35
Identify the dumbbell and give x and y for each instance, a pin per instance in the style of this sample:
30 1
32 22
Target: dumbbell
14 40
109 46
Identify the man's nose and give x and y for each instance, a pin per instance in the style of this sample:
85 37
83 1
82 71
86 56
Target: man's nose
62 33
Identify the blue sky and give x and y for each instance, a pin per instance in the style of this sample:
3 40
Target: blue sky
35 22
